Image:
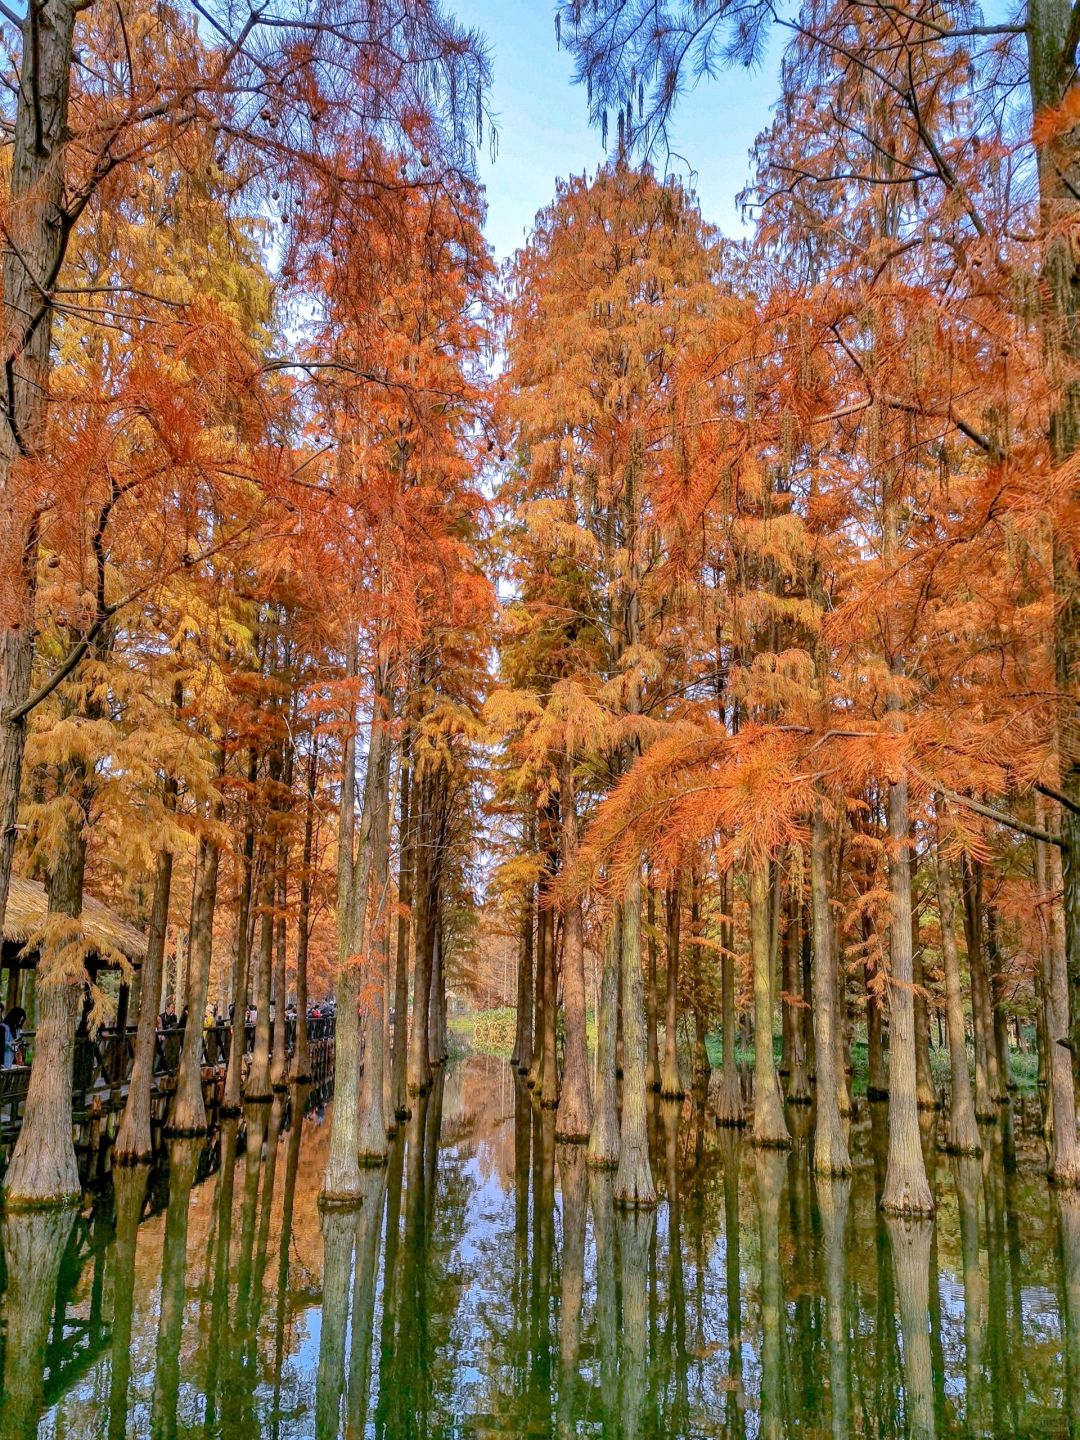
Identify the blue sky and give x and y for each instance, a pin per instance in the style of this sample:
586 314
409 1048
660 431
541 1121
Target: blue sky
544 134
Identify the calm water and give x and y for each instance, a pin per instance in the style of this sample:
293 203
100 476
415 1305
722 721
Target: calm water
488 1287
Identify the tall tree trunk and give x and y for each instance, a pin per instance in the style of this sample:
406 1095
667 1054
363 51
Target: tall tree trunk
230 1101
371 1138
279 1059
43 1169
1064 1159
633 1180
342 1180
770 1126
399 1060
523 1037
536 1067
187 1114
727 1099
604 1137
652 1048
134 1139
573 1121
796 1015
301 1058
257 1090
831 1155
925 1094
1051 38
36 242
419 1072
670 1083
963 1132
907 1191
985 1107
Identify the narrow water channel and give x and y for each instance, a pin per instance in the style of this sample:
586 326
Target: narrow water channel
488 1287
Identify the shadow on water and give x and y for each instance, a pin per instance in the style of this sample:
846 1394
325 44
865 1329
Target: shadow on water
487 1285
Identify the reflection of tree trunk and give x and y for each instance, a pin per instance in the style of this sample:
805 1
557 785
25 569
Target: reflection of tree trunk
34 1244
633 1181
736 1413
371 1129
967 1172
769 1171
770 1127
574 1182
833 1196
129 1196
676 1289
963 1132
292 1163
219 1302
1067 1204
368 1230
910 1244
300 1073
607 1323
183 1163
266 1206
389 1396
604 1139
339 1235
634 1230
399 1058
419 1071
536 1065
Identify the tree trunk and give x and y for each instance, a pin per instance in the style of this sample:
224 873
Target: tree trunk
536 1066
796 1014
419 1074
34 250
907 1191
652 1049
548 1090
573 1121
375 942
770 1127
985 1108
187 1114
257 1091
279 1059
301 1058
727 1099
670 1083
831 1155
43 1169
1051 38
604 1137
633 1181
230 1102
925 1094
134 1139
963 1132
877 1085
399 1060
523 1039
1064 1159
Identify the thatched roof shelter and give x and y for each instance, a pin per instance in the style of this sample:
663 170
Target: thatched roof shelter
105 932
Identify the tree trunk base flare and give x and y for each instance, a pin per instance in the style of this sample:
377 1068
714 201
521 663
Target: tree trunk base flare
1064 1173
962 1134
725 1098
798 1091
671 1086
929 1101
573 1119
185 1132
634 1188
769 1130
264 1097
298 1079
43 1170
230 1112
833 1163
877 1092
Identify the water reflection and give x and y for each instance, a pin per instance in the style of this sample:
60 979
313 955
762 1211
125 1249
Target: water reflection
487 1285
